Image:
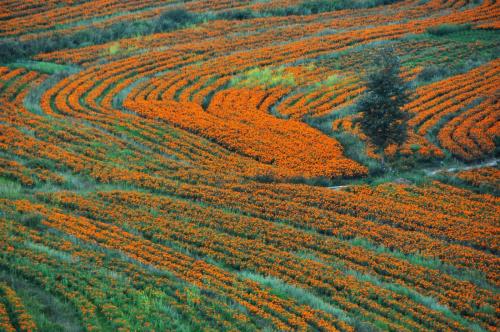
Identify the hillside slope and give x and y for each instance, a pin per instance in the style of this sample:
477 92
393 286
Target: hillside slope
165 165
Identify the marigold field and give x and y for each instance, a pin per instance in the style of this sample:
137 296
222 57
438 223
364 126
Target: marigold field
198 165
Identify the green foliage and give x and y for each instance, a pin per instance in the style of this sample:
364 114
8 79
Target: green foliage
13 49
41 66
432 73
386 92
58 254
355 148
306 7
33 98
32 220
474 276
330 81
320 6
300 295
41 163
49 312
10 189
174 19
114 48
427 301
446 29
238 14
265 77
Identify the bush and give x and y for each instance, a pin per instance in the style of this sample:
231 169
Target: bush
321 6
10 189
238 14
432 73
173 19
11 50
32 220
265 178
445 29
41 163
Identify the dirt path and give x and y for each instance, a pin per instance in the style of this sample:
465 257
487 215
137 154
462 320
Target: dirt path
486 163
434 171
339 187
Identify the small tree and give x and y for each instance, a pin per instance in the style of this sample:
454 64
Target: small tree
382 119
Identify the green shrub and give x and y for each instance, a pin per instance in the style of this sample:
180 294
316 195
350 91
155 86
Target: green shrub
446 29
11 50
432 73
173 19
238 14
32 220
265 178
10 189
415 147
41 163
321 6
43 67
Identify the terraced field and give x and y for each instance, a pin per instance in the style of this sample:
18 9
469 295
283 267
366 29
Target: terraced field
176 165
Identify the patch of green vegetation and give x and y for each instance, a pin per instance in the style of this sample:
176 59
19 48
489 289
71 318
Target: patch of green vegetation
118 153
33 98
264 77
426 301
451 179
13 49
354 147
441 63
120 97
474 276
468 36
114 48
42 66
303 297
48 312
309 7
10 189
330 81
82 184
60 255
41 163
446 29
32 220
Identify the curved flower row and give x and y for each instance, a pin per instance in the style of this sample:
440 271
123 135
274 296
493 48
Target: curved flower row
485 176
437 101
19 316
471 135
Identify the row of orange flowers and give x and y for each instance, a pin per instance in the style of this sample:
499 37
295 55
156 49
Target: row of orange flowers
19 317
209 231
284 314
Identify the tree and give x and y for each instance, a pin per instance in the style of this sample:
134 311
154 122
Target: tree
382 119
